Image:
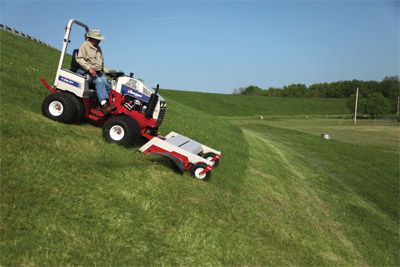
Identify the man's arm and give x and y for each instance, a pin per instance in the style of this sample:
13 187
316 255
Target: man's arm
81 57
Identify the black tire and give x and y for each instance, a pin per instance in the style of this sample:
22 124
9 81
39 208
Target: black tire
209 156
60 107
78 108
121 130
197 168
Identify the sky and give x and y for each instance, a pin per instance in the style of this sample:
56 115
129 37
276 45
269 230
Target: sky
219 46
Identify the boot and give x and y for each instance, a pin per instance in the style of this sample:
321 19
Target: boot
106 108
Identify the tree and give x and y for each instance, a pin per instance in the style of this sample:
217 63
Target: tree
294 90
252 90
351 102
274 92
390 86
377 104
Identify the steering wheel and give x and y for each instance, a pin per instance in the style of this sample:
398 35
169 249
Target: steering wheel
113 74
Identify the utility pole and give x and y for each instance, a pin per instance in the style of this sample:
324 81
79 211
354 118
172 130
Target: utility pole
355 109
398 105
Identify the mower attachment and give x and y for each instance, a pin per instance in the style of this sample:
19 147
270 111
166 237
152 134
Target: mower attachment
186 153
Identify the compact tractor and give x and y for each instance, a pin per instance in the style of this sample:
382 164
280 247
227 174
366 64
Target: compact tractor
139 112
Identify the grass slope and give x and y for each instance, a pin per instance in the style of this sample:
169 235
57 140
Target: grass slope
281 195
239 105
68 197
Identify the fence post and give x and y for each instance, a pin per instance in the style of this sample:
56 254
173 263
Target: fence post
355 109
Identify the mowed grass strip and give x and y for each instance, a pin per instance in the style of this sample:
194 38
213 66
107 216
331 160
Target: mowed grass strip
383 135
356 186
300 225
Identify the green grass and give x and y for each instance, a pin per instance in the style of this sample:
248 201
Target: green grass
334 192
280 196
239 105
355 186
380 134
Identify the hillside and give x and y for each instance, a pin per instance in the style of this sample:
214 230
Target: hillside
240 105
280 196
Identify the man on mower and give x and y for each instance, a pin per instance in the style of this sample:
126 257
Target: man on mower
90 59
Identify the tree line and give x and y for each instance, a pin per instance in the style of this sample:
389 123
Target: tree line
375 97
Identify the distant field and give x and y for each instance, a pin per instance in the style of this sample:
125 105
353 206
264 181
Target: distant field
280 196
239 105
383 135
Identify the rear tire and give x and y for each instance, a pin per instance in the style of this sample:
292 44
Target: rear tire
197 168
60 107
79 108
121 130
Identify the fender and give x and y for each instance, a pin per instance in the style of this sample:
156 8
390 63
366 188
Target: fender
47 85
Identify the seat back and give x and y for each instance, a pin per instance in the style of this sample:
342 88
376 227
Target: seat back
74 65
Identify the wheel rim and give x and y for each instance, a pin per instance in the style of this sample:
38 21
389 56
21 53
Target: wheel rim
210 159
198 175
117 133
56 108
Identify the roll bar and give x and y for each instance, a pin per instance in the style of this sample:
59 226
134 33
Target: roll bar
66 41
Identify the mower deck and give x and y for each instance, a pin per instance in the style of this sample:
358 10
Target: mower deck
183 151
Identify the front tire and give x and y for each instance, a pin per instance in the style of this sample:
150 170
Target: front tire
209 156
121 130
196 170
60 107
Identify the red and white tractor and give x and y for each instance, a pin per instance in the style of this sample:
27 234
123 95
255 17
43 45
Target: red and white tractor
139 112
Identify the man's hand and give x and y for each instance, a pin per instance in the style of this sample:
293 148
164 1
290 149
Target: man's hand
92 72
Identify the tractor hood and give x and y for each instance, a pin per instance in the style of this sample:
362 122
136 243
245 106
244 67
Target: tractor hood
135 88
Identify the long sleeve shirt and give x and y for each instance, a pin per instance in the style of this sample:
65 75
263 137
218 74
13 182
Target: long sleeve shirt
90 56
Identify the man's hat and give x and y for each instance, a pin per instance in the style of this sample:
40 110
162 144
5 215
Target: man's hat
95 34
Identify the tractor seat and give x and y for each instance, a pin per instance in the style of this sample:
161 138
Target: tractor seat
74 65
